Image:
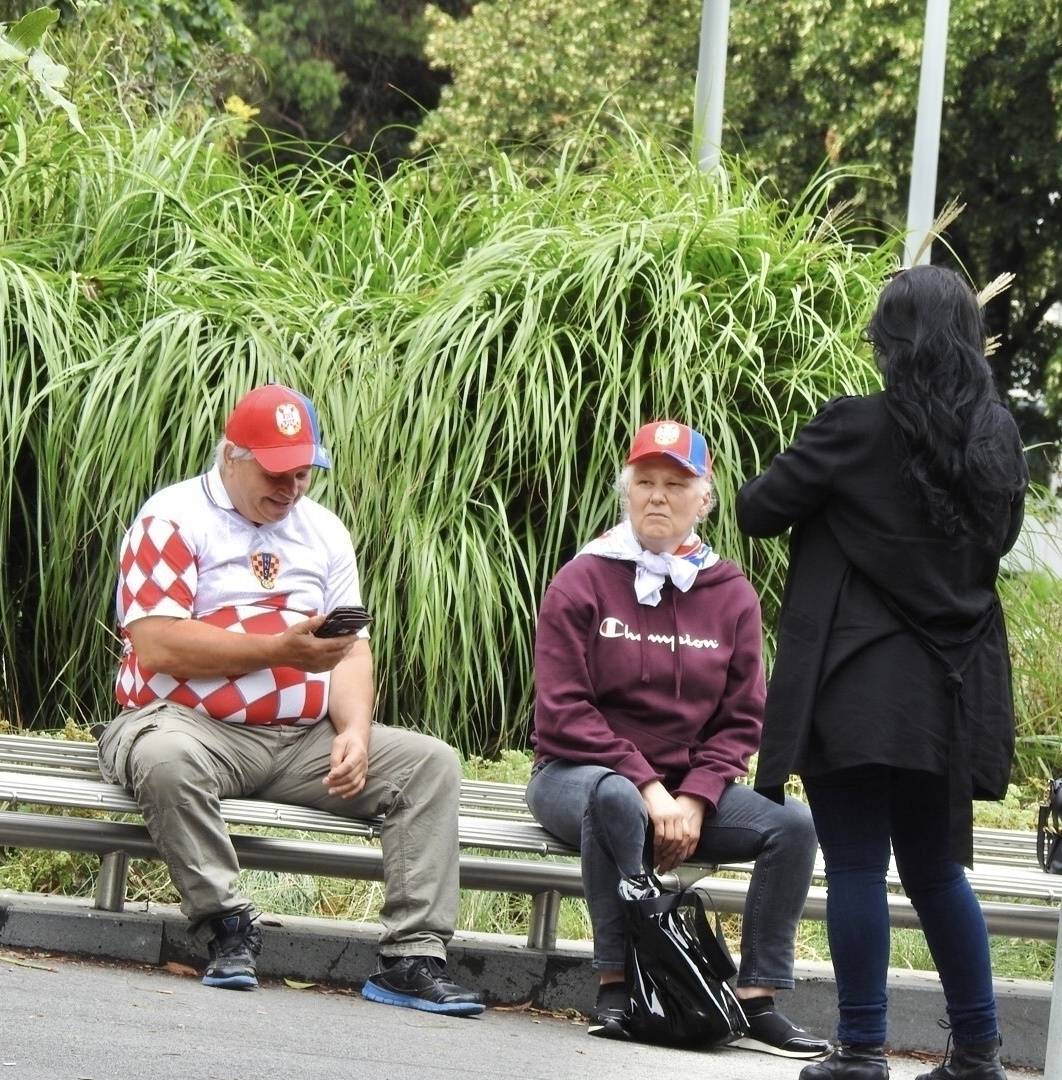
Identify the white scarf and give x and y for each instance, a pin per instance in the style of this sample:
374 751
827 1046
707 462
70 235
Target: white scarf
652 569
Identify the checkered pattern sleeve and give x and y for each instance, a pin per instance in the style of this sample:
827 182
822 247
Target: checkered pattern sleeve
158 574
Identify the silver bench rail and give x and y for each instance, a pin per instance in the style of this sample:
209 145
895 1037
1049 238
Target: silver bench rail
40 771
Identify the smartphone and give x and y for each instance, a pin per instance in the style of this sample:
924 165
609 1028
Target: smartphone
343 621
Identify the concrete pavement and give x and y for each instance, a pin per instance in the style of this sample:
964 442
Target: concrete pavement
69 1019
86 1020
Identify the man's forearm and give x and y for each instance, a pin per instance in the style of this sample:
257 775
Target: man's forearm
351 695
189 649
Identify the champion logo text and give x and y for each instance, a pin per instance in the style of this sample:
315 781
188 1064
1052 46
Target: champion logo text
617 628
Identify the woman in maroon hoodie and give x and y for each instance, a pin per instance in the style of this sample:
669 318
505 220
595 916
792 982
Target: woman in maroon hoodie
649 692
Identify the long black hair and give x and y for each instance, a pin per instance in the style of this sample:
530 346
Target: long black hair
929 336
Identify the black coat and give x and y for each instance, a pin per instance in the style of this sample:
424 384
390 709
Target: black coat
879 609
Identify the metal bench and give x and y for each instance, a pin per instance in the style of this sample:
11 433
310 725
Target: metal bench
521 855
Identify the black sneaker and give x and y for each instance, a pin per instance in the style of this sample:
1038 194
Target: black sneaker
609 1016
420 982
234 951
773 1033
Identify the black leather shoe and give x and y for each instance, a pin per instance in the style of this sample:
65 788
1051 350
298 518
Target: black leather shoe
850 1063
977 1062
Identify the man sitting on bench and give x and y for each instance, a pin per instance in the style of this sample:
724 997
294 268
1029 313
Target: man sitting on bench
227 692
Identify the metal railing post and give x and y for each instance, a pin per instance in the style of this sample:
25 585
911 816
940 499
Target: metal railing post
545 910
110 886
1053 1064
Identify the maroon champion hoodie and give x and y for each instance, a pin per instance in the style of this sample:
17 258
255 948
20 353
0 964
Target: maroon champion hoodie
672 693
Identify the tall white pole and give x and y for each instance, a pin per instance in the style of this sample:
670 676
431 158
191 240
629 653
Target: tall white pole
1053 1064
921 203
711 77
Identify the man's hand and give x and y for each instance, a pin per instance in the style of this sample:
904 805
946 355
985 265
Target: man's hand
349 765
297 647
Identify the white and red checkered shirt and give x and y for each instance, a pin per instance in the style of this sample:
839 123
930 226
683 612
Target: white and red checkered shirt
191 555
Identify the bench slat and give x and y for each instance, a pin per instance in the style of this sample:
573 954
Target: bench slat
493 816
475 831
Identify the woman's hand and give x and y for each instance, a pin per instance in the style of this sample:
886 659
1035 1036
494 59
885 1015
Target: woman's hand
670 826
677 824
694 809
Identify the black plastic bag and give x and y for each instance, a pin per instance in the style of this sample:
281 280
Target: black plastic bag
677 968
1049 829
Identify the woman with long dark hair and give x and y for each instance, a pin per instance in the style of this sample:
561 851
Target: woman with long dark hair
890 694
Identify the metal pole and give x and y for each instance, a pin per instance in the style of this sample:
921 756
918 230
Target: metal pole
922 198
711 76
1053 1064
111 884
545 910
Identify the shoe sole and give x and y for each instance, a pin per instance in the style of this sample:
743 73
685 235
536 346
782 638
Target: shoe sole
608 1029
371 992
232 982
745 1043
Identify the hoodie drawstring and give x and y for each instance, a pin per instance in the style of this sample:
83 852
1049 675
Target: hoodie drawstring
677 660
643 652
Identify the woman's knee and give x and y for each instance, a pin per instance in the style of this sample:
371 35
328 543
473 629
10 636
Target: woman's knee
793 827
924 878
617 800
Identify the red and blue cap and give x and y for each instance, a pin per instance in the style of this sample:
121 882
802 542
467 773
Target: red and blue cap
279 426
668 438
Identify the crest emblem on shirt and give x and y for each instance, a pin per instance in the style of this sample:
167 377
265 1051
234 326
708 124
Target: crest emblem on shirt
666 434
266 567
288 420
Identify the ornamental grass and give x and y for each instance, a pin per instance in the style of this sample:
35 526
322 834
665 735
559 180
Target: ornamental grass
479 350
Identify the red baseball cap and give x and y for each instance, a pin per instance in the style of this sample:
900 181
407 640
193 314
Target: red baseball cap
279 426
668 438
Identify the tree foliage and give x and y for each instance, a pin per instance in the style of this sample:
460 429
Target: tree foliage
808 81
352 71
24 59
156 49
524 71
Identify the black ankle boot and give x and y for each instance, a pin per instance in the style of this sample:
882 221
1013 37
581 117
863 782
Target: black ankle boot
979 1061
850 1063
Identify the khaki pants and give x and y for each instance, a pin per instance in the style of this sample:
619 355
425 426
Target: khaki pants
178 764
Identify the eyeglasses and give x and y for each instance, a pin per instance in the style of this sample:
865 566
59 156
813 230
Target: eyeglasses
867 339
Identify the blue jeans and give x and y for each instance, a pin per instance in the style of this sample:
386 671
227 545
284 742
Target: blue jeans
857 811
781 839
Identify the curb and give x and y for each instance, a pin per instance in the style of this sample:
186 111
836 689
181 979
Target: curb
501 966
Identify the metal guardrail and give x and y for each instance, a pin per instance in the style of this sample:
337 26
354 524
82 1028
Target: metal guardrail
493 818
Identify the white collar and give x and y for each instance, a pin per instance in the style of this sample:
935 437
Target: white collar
216 490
